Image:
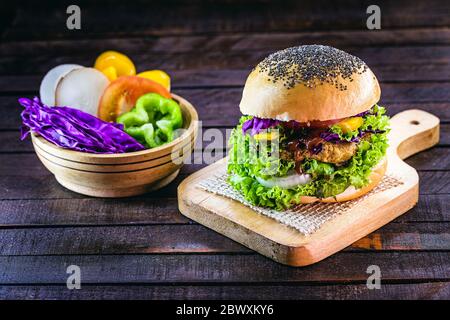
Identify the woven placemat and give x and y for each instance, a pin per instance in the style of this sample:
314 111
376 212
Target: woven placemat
306 218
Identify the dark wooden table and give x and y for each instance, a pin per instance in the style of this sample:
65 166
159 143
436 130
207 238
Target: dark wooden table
142 247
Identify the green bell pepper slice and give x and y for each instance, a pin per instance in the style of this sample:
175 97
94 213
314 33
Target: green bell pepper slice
153 120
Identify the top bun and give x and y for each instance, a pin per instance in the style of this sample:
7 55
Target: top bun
309 83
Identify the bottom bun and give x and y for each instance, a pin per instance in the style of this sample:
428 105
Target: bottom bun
351 193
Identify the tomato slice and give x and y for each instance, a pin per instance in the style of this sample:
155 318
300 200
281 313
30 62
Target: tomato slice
121 95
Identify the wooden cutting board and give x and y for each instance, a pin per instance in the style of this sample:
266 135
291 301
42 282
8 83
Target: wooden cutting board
412 131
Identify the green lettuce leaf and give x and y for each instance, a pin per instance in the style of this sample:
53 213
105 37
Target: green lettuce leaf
375 120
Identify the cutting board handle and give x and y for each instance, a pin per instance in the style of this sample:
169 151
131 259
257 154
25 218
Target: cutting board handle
413 131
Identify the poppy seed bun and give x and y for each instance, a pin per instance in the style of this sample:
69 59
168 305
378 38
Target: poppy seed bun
351 193
309 83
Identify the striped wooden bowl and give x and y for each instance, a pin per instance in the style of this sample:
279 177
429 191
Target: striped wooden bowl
123 174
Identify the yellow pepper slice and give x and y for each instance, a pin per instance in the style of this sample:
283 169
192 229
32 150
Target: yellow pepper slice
121 63
266 136
110 73
158 76
350 124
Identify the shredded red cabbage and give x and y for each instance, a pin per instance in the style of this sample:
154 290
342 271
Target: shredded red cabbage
74 129
257 124
329 136
334 137
363 114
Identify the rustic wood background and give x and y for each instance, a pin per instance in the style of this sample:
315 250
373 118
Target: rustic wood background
142 247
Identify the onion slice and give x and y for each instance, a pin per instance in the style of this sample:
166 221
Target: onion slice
287 182
50 82
82 89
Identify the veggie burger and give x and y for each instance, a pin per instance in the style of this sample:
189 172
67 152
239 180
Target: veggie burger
311 131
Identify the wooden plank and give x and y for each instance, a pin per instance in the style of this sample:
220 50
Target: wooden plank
437 158
193 78
221 112
412 291
433 159
10 141
13 145
40 183
428 177
212 60
7 14
224 268
405 93
411 236
229 42
46 187
148 211
114 240
236 77
31 166
219 106
341 39
91 211
429 208
440 110
217 17
147 239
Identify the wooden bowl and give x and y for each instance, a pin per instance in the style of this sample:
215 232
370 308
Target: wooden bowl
122 174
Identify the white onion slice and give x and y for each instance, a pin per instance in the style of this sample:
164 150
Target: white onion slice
82 89
287 182
50 82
